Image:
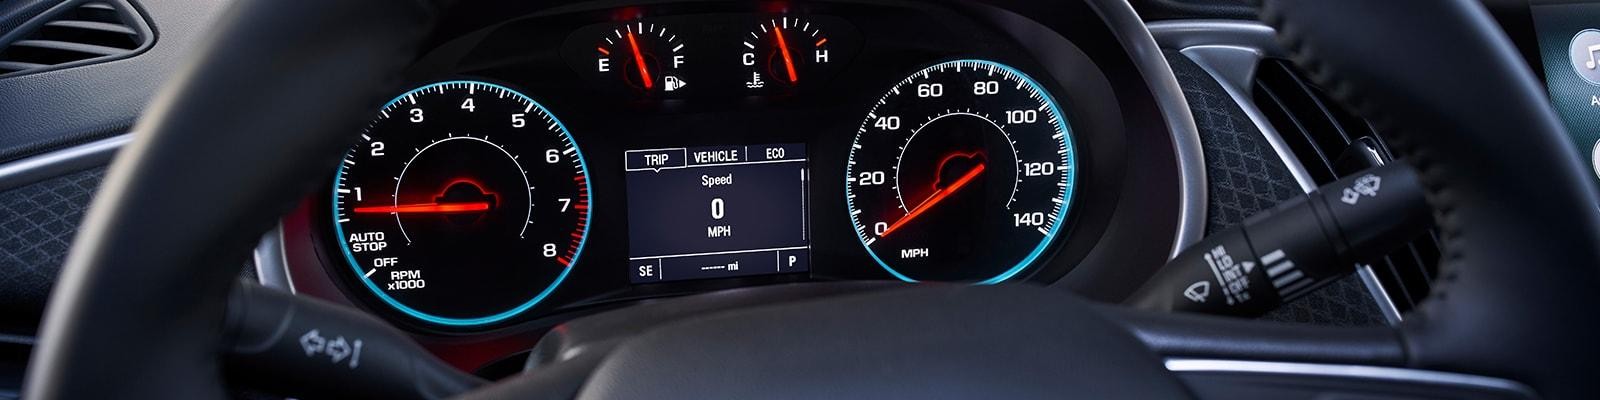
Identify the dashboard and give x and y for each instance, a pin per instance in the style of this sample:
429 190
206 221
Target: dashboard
572 159
544 174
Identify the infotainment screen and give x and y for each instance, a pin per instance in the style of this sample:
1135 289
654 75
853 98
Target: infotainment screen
714 212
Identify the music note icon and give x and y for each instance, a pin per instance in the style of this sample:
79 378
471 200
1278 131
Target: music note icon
1591 63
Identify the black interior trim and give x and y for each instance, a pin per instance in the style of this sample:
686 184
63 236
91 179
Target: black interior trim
1517 225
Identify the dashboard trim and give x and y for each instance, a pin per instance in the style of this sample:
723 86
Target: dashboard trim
55 163
268 255
1231 60
1144 50
270 267
1351 371
1379 295
1229 51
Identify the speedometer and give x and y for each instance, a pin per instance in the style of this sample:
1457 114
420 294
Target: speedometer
465 203
963 171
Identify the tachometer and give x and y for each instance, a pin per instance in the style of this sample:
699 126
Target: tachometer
963 171
465 203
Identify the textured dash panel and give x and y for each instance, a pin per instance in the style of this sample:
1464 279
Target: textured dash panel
1245 176
37 223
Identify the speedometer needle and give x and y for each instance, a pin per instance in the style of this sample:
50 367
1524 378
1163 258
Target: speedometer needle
938 195
426 208
788 62
638 58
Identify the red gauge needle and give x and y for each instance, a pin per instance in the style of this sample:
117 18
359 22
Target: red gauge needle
644 73
938 195
788 62
426 208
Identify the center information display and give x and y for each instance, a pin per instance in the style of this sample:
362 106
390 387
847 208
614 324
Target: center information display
715 212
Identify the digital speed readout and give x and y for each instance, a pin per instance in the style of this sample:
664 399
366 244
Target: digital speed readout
713 212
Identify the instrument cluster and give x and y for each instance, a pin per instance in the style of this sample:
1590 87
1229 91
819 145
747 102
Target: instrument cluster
593 155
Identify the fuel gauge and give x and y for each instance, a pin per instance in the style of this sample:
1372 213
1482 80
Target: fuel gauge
646 57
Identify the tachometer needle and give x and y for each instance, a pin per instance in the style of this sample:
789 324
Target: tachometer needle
644 72
783 47
426 208
938 195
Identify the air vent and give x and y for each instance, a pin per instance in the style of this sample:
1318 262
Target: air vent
1331 142
73 34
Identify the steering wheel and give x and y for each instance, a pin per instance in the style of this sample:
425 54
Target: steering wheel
234 141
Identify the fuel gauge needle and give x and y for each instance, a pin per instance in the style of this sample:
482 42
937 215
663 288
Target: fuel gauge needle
644 72
938 195
426 208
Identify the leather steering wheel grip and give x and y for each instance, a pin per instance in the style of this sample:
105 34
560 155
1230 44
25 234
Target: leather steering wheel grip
1521 256
242 132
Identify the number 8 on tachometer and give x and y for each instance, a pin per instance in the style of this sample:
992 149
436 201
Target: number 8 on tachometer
962 172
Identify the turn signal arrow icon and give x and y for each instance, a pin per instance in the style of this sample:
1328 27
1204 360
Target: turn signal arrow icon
312 342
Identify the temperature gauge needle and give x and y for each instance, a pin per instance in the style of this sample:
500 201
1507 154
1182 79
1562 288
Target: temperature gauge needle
644 73
783 47
938 195
426 208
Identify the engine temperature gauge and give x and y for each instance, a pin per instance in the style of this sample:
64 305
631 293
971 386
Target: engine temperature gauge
645 57
785 51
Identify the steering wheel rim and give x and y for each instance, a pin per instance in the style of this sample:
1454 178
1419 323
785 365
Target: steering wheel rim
1481 151
138 308
172 309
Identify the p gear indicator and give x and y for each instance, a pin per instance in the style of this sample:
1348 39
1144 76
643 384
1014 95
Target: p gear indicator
713 212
